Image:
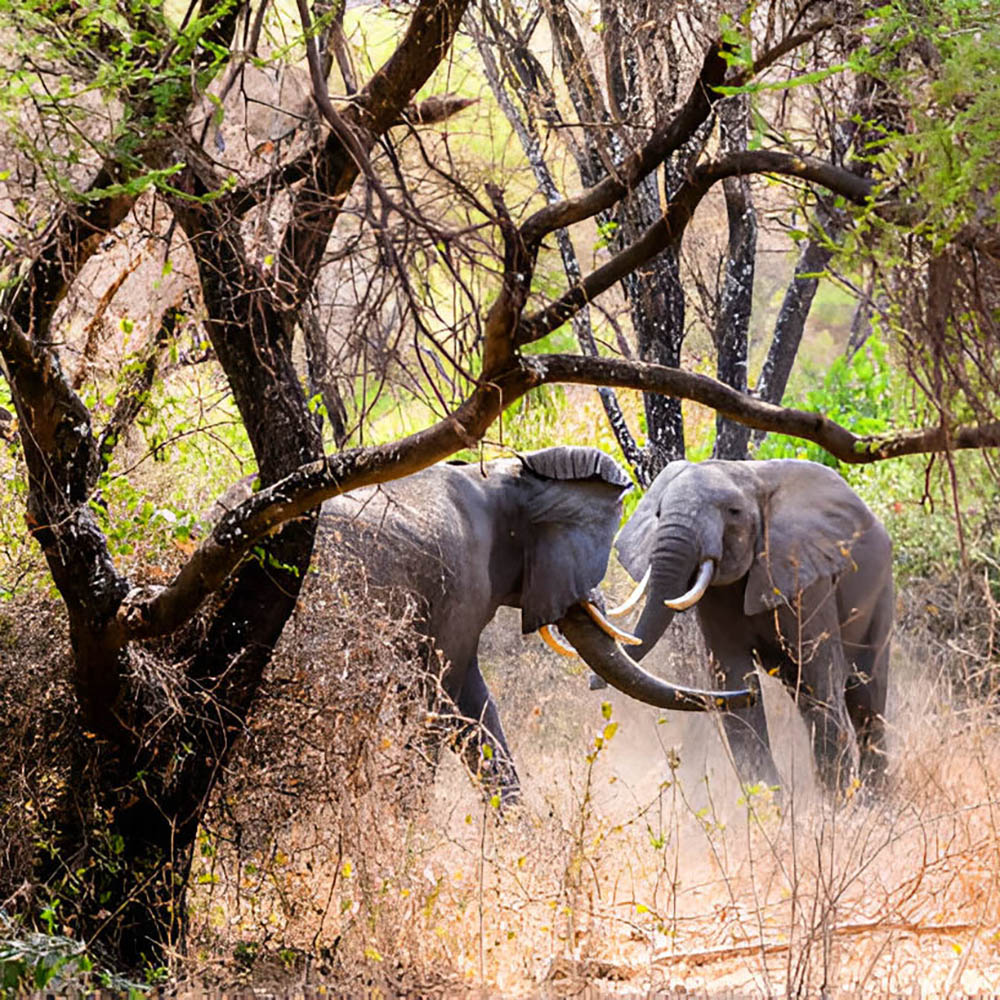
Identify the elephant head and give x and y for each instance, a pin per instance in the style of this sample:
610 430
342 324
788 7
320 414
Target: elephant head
572 499
780 524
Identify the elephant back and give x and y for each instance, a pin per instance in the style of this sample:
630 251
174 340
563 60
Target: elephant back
406 538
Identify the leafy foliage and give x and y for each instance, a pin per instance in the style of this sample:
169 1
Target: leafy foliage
946 61
937 145
862 392
33 962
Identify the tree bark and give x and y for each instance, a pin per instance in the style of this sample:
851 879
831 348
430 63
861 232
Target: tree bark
794 312
732 326
653 291
588 166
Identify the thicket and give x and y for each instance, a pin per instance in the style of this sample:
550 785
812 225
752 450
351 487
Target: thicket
158 779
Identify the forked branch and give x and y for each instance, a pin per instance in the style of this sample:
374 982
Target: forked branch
670 228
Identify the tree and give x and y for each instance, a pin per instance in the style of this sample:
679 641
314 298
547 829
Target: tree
117 115
641 55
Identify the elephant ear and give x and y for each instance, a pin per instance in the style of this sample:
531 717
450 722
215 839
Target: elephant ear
572 506
811 520
635 541
576 462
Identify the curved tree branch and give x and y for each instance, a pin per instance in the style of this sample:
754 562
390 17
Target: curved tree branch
838 441
666 139
148 612
380 104
538 86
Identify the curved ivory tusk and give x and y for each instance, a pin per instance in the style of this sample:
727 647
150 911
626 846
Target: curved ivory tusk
694 595
608 628
553 643
633 599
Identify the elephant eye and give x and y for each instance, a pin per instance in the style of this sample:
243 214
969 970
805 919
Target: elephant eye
735 511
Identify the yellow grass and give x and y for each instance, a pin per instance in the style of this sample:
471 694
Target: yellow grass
635 862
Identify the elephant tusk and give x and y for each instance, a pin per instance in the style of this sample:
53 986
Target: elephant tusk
633 599
695 594
608 628
553 643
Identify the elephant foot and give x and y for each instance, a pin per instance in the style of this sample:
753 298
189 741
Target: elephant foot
839 769
757 775
746 733
490 767
873 773
873 759
500 792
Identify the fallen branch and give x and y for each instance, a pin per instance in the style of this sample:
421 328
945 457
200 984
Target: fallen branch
709 955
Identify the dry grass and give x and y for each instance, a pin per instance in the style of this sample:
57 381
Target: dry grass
635 862
335 855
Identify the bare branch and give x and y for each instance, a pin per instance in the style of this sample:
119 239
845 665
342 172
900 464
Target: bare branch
379 105
526 130
505 313
147 613
144 614
134 396
665 140
670 228
842 444
92 331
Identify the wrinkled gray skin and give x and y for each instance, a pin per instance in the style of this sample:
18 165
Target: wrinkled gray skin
802 584
532 532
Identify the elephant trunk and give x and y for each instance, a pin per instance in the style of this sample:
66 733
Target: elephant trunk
673 564
608 660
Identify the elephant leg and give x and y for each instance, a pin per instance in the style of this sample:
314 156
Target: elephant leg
746 730
867 688
818 681
495 765
731 644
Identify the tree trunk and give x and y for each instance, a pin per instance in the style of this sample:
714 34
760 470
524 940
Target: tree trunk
653 292
146 779
794 311
732 325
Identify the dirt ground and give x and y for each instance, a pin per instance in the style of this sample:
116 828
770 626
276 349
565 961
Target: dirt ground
635 865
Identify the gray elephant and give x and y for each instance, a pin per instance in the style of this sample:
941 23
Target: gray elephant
532 532
790 570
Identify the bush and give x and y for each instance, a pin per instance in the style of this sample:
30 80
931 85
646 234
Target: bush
305 830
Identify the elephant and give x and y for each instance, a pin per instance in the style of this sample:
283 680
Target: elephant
532 532
790 571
